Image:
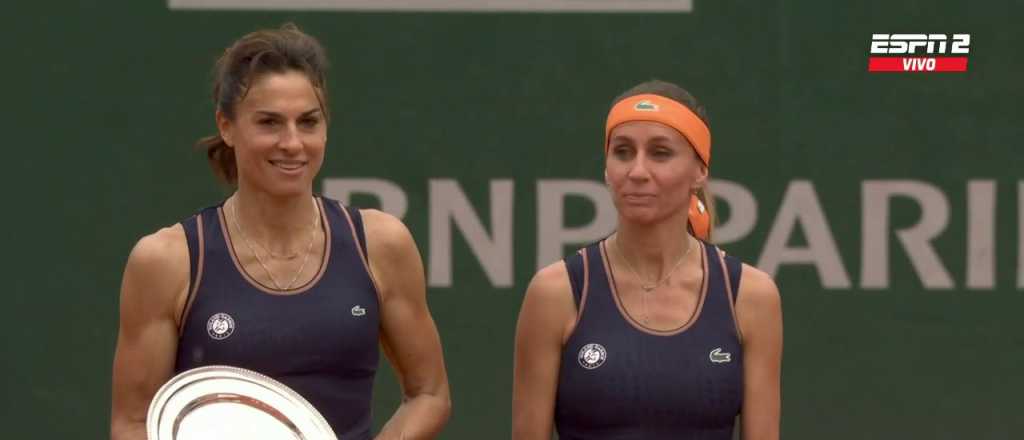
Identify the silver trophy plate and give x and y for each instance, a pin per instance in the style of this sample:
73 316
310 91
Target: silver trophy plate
228 403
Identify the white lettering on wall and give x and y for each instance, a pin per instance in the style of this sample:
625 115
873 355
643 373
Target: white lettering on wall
742 211
981 234
391 197
916 239
552 234
450 207
494 245
800 206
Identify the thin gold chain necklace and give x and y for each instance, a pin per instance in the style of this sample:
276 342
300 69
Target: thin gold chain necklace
248 243
648 288
652 286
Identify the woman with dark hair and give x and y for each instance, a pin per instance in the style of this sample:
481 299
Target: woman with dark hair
651 333
274 278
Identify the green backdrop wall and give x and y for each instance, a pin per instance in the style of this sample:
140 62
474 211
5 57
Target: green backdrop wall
104 100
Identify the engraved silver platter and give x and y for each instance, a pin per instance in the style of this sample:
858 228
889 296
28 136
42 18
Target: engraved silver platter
228 403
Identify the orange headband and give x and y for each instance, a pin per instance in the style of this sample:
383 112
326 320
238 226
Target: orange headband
657 108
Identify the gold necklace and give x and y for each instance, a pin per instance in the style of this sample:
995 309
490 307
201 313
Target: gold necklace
648 288
652 286
248 243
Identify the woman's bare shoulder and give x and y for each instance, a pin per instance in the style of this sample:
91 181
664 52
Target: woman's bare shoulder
158 267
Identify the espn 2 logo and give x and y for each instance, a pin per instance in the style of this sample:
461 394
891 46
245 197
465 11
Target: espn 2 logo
951 53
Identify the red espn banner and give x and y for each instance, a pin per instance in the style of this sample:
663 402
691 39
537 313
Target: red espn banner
917 64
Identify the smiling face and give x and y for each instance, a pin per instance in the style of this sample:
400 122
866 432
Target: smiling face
278 134
651 170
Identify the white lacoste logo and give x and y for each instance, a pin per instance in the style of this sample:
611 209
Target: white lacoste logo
358 311
646 106
718 357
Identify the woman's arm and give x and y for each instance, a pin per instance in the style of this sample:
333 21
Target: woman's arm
408 335
546 319
759 312
153 288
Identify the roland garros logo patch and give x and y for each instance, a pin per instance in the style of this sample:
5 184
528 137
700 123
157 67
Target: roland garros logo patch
592 356
220 326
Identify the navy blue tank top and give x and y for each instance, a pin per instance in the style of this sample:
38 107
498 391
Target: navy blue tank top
620 380
320 339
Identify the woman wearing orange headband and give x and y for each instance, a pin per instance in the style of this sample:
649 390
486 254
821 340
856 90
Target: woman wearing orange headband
652 333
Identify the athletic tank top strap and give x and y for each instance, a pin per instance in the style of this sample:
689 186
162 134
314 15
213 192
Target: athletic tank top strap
211 229
717 295
725 272
193 231
191 227
574 264
735 268
357 223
